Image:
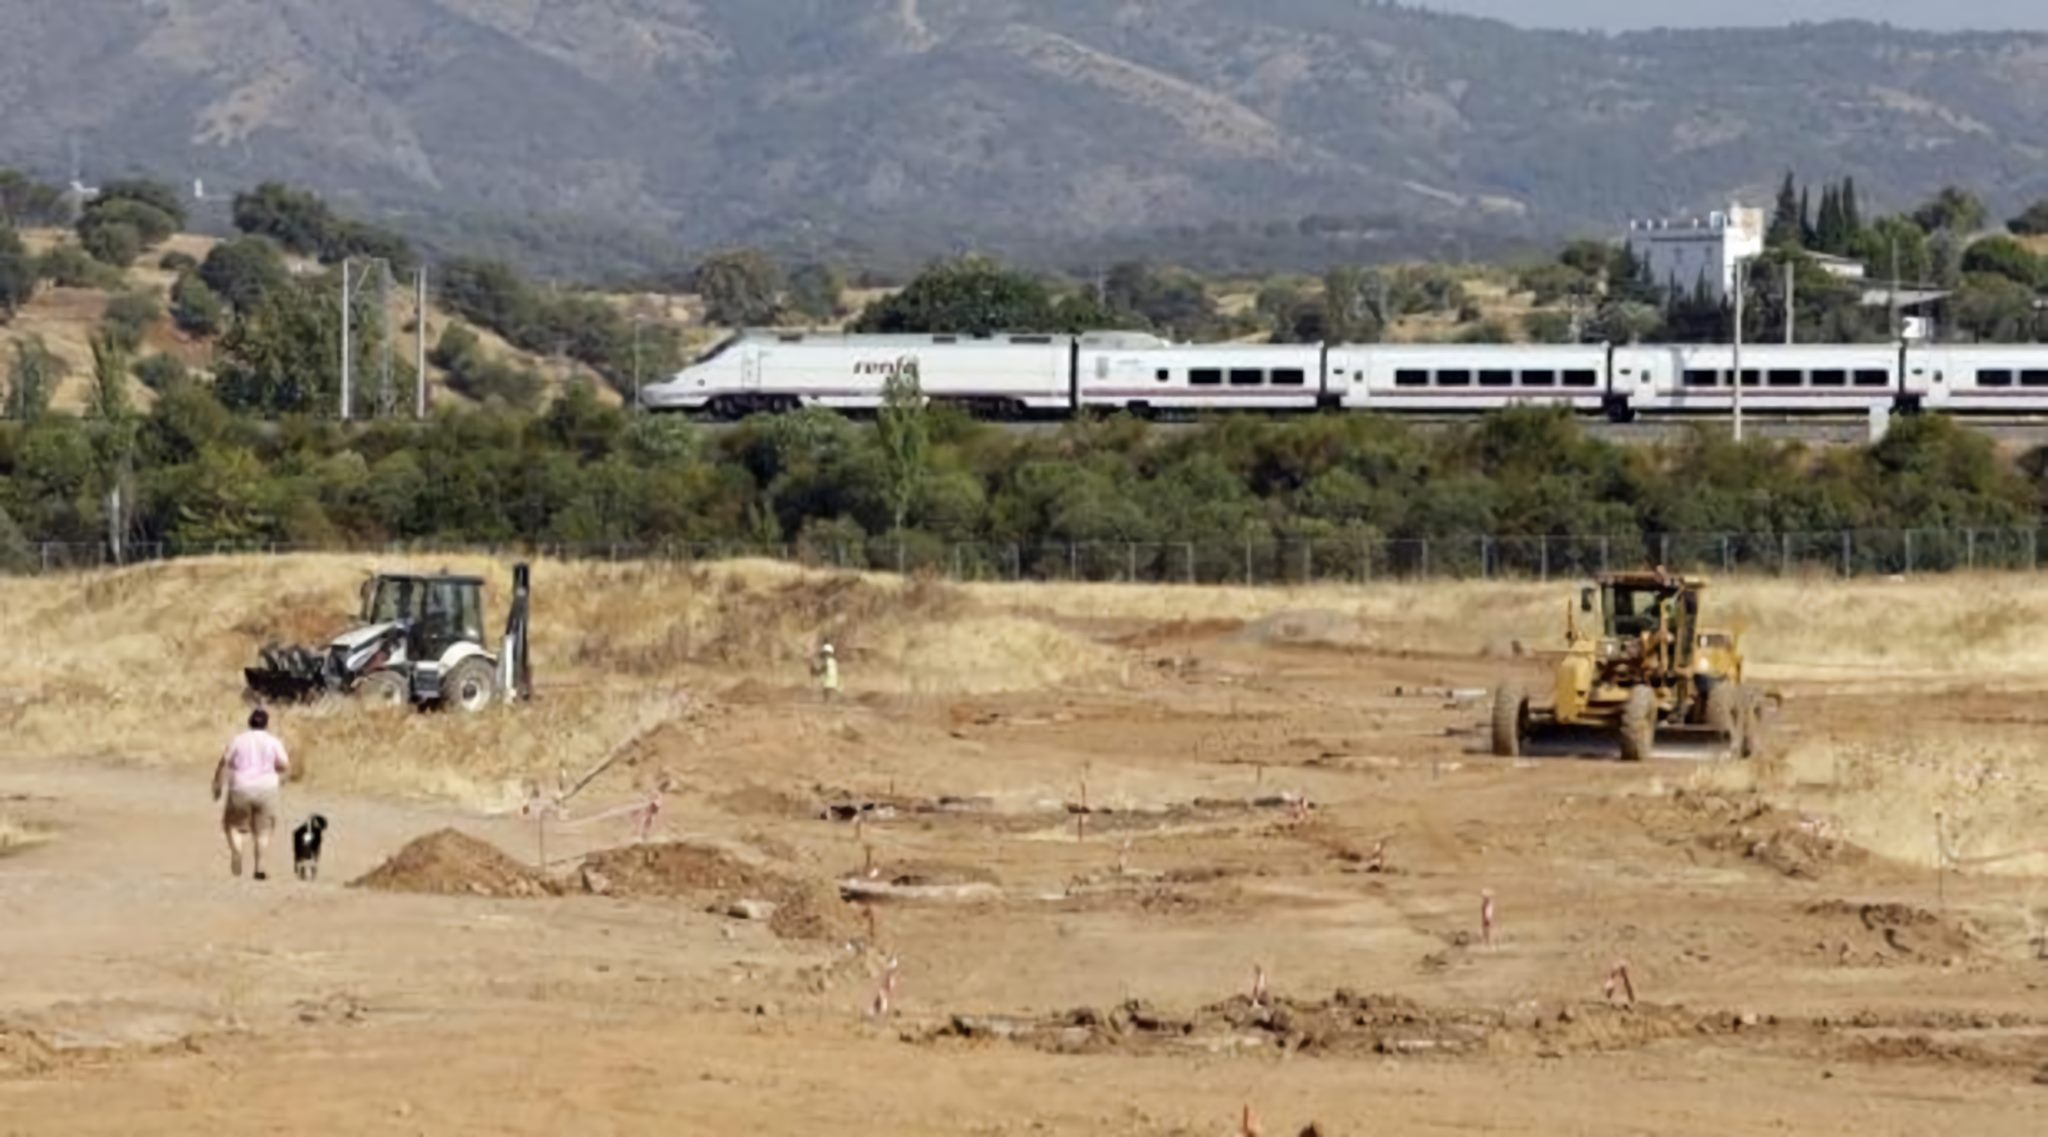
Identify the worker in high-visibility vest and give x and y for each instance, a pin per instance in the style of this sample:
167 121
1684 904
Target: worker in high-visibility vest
827 671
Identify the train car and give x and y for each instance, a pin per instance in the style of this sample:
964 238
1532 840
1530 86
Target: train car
1680 379
1146 376
1007 376
1978 378
1453 378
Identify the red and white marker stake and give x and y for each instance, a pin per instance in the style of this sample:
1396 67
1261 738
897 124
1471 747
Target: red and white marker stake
1486 917
1258 985
1248 1123
1378 861
1618 981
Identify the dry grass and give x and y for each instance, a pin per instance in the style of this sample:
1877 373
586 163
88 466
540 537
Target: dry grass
144 664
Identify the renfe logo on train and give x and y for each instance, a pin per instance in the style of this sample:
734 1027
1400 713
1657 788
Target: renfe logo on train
904 366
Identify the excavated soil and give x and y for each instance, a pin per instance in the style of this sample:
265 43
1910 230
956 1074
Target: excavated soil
449 863
803 909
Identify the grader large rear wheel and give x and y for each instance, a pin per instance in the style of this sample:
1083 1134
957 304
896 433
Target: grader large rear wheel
1510 718
1638 725
1728 713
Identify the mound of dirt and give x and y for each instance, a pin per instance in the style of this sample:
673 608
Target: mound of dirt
449 863
1900 929
1745 825
677 870
803 909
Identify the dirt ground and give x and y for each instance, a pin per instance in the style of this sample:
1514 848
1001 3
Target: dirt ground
1083 882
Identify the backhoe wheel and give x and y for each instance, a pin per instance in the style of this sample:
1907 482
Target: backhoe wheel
1510 720
384 691
1638 725
1728 713
471 685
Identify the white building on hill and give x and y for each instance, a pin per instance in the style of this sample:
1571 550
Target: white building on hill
1683 254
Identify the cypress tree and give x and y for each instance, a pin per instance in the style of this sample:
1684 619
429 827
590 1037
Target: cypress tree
1785 223
1852 213
1806 216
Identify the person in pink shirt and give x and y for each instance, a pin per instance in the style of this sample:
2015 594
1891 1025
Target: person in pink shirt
250 773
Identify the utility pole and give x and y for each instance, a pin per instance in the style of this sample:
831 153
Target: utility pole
347 354
1740 265
419 394
387 398
1892 302
1791 320
638 319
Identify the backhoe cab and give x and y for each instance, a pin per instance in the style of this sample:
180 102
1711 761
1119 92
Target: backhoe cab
1637 666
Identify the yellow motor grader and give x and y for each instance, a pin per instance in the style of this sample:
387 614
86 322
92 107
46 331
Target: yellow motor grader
1638 668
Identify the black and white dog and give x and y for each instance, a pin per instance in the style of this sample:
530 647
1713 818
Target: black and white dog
306 847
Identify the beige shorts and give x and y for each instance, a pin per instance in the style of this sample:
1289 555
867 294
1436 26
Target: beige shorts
251 810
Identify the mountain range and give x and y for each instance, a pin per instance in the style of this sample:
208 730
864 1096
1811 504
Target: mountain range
1030 126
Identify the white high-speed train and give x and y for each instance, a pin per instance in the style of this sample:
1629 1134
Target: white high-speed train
1048 376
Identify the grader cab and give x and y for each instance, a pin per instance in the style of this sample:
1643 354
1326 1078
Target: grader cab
1639 668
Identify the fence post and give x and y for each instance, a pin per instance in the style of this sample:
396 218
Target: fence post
1131 557
1308 562
1604 546
1248 560
1486 558
957 574
1016 562
1364 563
1784 554
1664 549
1848 552
1073 561
1909 552
1424 563
1970 549
2033 550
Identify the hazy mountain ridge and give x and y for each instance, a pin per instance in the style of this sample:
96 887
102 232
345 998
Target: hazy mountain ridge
1000 121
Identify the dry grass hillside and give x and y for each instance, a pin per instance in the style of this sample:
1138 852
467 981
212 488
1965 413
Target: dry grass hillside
66 318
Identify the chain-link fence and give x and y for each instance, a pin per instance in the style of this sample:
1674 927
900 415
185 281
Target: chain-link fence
1842 553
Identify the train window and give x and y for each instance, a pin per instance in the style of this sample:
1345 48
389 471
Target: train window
1787 378
1871 377
1496 378
945 339
1752 378
1030 339
1102 367
1205 377
1290 377
1695 377
1163 375
1454 378
1831 378
1247 377
1411 378
1994 378
1539 378
2034 378
1581 379
791 337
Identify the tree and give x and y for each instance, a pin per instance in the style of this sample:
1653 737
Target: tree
69 266
161 372
25 201
129 317
1952 210
969 296
243 271
283 355
1626 322
903 429
741 288
302 222
144 192
1993 309
1550 284
195 308
32 379
17 273
817 292
1547 327
2003 256
1785 230
1349 305
110 376
110 242
2032 222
